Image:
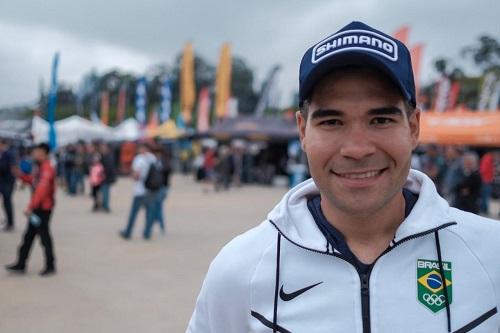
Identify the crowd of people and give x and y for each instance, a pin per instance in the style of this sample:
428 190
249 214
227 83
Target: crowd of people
467 180
71 168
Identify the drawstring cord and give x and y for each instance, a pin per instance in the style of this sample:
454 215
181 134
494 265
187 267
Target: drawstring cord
443 279
276 290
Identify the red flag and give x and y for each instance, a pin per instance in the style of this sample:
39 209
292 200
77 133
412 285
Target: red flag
105 107
402 34
203 110
416 57
122 103
453 95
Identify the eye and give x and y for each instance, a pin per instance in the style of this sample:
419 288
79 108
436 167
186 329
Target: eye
382 121
330 122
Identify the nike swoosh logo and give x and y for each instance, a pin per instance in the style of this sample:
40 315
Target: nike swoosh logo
288 297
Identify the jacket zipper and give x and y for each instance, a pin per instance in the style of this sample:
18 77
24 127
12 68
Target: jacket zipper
365 277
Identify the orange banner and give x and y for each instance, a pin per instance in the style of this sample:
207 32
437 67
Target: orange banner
187 83
416 57
223 82
461 128
402 34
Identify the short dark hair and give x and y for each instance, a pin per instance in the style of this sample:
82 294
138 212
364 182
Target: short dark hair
43 146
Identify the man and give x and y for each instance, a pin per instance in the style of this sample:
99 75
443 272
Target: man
38 212
366 245
7 181
468 187
109 164
142 197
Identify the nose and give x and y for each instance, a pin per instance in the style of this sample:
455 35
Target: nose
357 144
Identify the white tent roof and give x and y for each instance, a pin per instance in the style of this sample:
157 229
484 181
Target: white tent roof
128 130
71 130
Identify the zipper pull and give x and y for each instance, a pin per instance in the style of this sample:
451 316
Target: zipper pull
365 283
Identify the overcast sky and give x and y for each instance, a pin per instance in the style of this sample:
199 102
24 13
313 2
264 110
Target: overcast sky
134 35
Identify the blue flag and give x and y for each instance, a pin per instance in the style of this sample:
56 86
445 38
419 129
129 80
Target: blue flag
140 101
166 101
52 100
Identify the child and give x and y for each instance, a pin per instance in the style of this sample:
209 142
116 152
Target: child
96 178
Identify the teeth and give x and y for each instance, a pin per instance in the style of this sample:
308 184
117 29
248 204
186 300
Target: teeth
360 175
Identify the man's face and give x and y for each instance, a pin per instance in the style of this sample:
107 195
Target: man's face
358 140
38 154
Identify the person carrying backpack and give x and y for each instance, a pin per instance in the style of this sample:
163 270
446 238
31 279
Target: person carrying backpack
143 197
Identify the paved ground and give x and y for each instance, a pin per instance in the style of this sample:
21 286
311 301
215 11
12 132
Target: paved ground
106 284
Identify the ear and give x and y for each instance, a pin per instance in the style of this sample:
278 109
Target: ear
301 125
414 122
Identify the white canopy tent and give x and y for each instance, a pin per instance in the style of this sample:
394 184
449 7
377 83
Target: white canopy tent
128 130
71 130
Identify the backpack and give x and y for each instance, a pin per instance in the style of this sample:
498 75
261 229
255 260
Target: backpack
154 178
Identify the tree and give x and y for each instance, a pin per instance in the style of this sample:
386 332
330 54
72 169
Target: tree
242 86
485 53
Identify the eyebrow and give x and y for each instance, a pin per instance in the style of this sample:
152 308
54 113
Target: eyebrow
384 111
321 113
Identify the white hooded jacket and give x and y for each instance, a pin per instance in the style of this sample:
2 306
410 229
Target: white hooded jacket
283 276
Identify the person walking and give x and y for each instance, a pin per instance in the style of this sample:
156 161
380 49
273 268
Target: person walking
141 196
164 164
486 170
39 211
7 181
109 163
96 179
367 244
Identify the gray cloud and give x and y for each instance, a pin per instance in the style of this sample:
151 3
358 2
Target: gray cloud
138 34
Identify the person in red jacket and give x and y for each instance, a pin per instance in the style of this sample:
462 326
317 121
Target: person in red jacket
39 210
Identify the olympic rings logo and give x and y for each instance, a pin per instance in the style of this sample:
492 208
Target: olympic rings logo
433 299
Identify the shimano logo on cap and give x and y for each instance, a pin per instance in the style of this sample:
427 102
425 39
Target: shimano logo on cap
361 40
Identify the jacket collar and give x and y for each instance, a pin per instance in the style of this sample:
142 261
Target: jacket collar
292 217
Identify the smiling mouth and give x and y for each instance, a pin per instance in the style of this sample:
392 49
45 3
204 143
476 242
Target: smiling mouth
360 175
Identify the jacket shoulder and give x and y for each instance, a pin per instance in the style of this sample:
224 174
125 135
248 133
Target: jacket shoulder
223 304
481 236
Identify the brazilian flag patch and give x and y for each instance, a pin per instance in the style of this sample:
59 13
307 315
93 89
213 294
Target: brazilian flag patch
430 286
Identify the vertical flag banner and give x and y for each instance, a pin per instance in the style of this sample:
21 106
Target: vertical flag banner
453 95
402 34
490 90
140 101
105 107
166 100
203 110
187 85
441 94
223 82
51 109
122 104
416 59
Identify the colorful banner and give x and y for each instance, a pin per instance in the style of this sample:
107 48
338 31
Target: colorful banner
140 102
479 128
52 101
416 59
187 84
402 34
223 82
490 91
203 110
105 107
453 95
122 104
441 94
166 100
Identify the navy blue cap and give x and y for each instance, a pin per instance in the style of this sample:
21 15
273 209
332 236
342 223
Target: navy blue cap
358 44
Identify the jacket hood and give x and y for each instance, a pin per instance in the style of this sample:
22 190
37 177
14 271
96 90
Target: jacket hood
292 217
